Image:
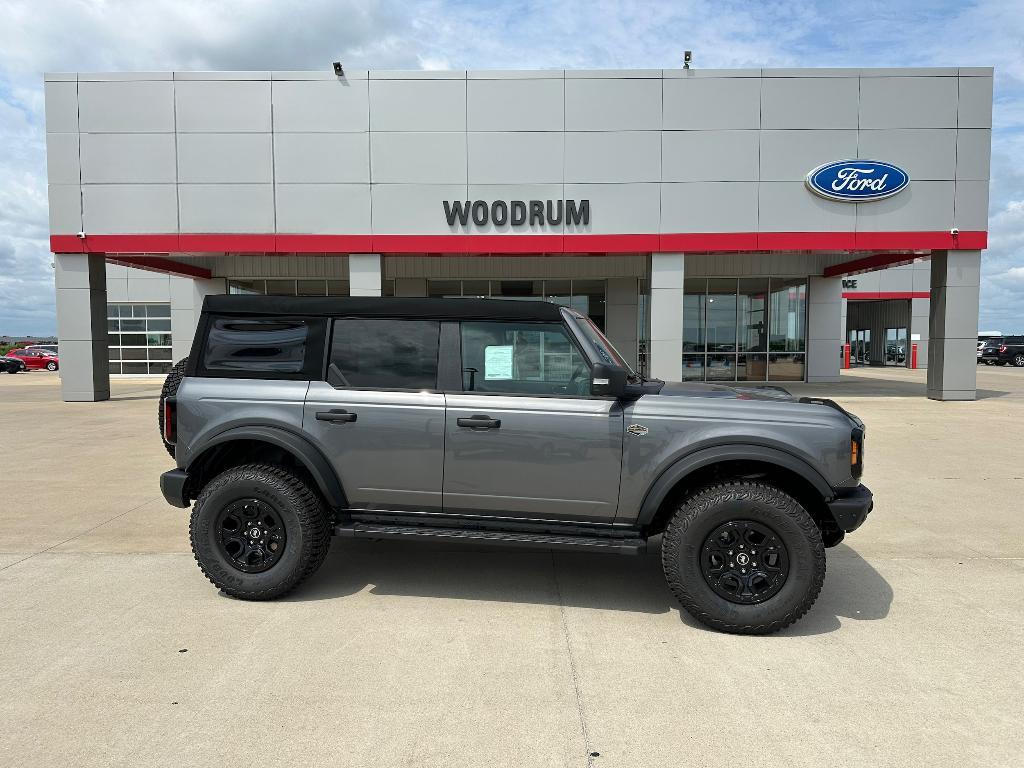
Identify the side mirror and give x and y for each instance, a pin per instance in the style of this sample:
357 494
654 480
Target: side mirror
607 380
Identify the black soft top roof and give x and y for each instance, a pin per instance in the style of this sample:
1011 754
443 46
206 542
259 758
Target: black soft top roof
435 309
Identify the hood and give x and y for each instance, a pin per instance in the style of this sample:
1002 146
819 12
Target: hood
722 391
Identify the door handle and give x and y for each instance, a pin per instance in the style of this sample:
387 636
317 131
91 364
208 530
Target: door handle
337 415
479 422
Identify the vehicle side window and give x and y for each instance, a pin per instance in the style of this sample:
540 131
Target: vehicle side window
263 347
384 354
522 359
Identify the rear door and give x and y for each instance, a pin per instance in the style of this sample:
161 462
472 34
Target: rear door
524 436
378 416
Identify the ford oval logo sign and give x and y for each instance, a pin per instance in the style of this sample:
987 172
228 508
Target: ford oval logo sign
857 181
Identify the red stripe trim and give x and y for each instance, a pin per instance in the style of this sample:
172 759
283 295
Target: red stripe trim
324 243
217 243
160 264
879 295
697 242
687 242
806 241
869 264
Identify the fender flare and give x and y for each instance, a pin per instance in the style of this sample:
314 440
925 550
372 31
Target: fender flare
690 463
304 451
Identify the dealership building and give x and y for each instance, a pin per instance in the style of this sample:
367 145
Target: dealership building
719 225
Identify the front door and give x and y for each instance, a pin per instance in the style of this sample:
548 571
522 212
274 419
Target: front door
378 418
524 438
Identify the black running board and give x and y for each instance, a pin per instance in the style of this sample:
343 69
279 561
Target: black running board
623 545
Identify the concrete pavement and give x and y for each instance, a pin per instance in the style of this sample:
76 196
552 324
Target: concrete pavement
115 651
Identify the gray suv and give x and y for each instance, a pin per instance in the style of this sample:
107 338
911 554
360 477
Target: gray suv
497 422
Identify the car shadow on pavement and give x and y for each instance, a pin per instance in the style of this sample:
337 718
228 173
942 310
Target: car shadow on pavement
853 589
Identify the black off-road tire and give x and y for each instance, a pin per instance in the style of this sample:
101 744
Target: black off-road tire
702 512
169 389
302 513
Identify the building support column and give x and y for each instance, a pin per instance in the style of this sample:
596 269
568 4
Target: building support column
919 319
953 325
666 352
81 280
364 274
621 316
187 296
824 328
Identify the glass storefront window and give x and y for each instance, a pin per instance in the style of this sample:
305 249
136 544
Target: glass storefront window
753 314
693 367
476 288
786 367
280 287
444 288
751 367
247 286
729 324
788 315
721 315
694 302
588 298
311 287
139 338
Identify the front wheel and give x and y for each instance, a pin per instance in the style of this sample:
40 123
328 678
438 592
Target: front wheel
1018 360
51 366
258 531
743 557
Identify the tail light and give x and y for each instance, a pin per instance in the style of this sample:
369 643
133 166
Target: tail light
170 421
1002 349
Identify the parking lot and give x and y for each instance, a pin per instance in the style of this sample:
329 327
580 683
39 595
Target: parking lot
116 651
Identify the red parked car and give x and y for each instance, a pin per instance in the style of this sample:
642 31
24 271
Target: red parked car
36 358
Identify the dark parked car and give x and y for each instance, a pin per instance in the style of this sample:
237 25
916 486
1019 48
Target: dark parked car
1007 351
11 365
35 358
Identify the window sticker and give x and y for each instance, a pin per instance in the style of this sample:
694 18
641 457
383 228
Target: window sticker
498 362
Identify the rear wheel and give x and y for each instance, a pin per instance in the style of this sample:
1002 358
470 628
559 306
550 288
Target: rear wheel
258 531
743 557
1018 360
169 389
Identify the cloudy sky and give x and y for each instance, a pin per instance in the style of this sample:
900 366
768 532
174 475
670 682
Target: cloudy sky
101 35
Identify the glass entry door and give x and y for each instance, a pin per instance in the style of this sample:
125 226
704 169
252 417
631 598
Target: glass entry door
896 346
860 346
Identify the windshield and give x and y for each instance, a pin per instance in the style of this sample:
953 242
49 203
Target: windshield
600 343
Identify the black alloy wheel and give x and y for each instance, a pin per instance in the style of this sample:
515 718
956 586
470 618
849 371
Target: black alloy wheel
743 556
744 562
251 535
259 530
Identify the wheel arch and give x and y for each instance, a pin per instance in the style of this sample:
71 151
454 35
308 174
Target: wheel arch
788 472
244 445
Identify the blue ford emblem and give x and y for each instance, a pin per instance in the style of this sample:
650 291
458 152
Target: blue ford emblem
857 181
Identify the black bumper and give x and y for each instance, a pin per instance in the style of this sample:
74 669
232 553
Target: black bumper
172 486
852 508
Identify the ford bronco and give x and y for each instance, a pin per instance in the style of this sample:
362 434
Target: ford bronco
496 422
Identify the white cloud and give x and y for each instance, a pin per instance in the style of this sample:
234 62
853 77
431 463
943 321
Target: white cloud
102 35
